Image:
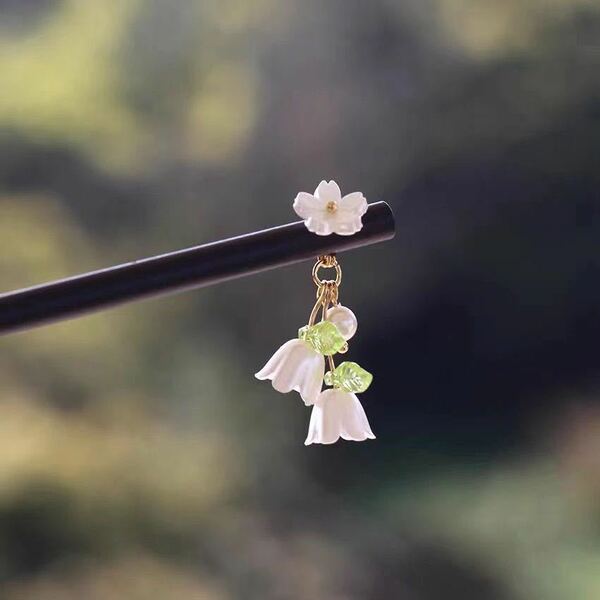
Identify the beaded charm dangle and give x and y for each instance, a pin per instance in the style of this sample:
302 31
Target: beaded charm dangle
300 363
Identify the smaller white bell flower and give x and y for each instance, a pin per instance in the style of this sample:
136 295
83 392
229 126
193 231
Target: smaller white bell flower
296 366
338 414
326 212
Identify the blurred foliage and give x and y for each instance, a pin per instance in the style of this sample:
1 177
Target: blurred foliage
139 457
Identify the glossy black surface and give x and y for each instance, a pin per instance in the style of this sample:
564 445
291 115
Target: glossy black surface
193 267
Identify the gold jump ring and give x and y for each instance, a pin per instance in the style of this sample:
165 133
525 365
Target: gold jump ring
327 262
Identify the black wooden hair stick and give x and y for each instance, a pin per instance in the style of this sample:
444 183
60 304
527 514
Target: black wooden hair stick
193 267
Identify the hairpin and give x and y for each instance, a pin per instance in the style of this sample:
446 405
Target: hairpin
299 364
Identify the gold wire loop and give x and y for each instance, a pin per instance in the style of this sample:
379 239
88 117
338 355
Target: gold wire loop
332 292
327 261
321 299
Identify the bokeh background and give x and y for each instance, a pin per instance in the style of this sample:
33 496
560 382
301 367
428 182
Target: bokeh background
140 459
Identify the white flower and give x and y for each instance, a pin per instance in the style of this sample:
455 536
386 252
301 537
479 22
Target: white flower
296 366
337 414
326 212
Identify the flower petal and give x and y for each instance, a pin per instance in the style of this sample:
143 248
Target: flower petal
356 425
355 203
338 414
347 220
295 366
274 364
346 224
306 205
311 380
319 224
329 191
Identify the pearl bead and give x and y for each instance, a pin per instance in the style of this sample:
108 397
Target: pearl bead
343 318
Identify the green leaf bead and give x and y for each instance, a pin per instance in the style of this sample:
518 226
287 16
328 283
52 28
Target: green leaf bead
324 337
349 377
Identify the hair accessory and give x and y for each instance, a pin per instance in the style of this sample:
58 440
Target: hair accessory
326 212
299 365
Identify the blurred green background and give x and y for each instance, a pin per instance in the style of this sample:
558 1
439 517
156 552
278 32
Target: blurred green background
139 457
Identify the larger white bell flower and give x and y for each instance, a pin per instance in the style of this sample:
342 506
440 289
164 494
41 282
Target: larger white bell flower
338 414
296 366
326 212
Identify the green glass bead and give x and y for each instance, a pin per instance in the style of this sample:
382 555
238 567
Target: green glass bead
324 337
349 377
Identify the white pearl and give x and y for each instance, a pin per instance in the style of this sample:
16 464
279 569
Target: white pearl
344 319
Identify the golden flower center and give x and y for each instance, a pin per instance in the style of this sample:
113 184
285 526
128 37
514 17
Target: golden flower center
331 206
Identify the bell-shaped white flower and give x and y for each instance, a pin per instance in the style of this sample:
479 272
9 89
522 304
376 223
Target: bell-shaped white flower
326 212
338 414
296 366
